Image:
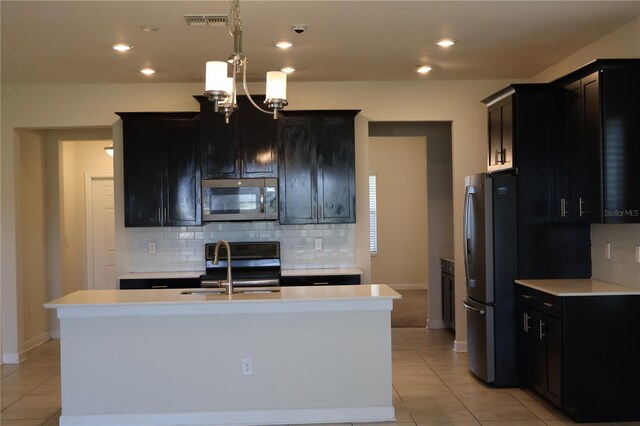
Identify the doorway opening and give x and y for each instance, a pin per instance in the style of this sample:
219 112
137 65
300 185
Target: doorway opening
424 302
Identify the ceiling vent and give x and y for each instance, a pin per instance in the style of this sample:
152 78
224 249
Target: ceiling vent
206 20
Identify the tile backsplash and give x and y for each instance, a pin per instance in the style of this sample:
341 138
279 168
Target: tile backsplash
622 268
182 248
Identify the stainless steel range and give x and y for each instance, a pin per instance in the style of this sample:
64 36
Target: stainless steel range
253 264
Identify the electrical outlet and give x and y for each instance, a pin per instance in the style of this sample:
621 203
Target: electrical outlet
247 367
607 251
318 244
151 247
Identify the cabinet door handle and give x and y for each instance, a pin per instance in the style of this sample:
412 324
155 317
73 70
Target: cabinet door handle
242 167
503 155
320 213
498 156
238 166
165 215
159 286
581 204
547 304
526 319
323 283
563 207
261 199
542 333
526 296
160 215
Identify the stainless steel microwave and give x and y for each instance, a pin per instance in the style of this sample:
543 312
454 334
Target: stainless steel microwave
239 199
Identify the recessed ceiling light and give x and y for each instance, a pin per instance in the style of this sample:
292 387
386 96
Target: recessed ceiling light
121 47
288 70
283 44
147 29
446 42
148 71
423 69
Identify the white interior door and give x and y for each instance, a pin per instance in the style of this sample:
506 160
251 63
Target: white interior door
101 246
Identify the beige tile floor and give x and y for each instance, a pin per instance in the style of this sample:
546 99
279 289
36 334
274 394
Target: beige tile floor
431 386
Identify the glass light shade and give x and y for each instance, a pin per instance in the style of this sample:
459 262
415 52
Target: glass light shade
228 88
276 85
109 150
216 77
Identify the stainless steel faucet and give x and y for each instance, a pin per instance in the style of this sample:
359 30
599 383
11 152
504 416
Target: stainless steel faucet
215 262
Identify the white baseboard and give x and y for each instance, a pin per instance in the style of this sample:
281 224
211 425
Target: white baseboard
459 346
36 341
12 358
318 415
436 324
409 286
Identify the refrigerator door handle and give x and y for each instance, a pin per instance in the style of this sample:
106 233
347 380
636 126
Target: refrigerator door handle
469 190
472 309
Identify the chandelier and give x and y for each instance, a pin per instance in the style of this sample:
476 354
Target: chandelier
221 89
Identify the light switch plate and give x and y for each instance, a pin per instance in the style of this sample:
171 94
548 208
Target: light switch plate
151 247
318 244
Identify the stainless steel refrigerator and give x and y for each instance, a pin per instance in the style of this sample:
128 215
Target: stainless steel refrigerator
509 234
490 240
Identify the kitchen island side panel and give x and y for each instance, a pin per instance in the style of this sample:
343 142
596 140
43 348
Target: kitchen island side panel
188 368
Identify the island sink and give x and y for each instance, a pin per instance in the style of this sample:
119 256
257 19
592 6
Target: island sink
223 290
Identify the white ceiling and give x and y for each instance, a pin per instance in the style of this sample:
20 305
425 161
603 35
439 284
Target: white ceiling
68 41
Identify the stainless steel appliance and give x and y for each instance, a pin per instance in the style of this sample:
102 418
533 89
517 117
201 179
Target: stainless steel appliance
239 199
253 264
508 234
490 264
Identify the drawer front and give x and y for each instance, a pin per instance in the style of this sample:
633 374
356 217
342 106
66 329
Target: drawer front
447 266
158 283
539 300
304 280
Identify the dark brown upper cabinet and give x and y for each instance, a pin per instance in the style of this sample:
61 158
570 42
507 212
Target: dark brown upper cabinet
161 169
501 134
317 167
243 148
519 125
596 134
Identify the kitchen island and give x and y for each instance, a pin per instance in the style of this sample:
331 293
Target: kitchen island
302 355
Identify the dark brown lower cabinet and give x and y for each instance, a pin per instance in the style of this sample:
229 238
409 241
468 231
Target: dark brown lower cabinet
580 353
448 293
158 283
304 280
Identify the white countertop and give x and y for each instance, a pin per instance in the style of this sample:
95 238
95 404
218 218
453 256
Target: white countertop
323 271
579 287
95 298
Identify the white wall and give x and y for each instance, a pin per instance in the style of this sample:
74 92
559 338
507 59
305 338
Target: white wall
32 273
400 164
78 158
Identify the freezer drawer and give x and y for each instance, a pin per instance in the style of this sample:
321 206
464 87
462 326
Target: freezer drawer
480 340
